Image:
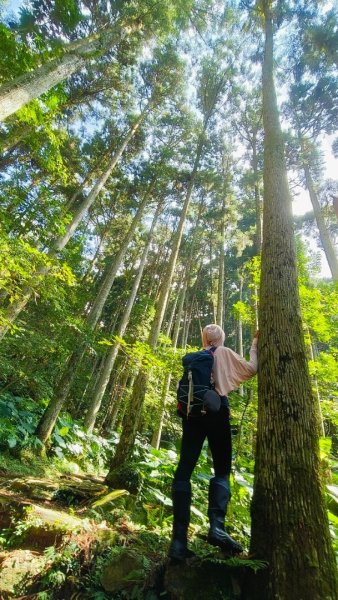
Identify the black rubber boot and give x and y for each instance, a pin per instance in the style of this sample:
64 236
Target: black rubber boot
181 494
219 496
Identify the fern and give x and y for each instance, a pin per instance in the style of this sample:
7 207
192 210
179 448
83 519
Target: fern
234 562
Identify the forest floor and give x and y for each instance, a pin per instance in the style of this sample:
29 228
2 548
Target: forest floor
68 536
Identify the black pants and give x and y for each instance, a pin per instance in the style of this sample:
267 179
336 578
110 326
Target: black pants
216 428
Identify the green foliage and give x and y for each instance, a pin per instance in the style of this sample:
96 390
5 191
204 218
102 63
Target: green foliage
69 442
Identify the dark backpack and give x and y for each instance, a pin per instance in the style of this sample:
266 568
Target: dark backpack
195 393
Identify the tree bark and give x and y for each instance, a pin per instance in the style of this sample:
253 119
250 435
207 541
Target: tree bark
289 521
17 93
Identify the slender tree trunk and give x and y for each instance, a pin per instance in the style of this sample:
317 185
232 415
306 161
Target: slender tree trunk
87 202
125 447
109 359
289 521
16 307
315 384
187 324
130 424
48 419
97 253
126 382
258 204
165 289
324 233
78 412
240 331
156 439
240 324
21 90
220 294
123 401
12 139
109 278
172 315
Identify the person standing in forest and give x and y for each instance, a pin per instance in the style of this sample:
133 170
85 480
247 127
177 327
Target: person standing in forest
229 371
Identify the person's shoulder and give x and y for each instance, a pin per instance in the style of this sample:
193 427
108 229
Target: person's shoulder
227 353
223 350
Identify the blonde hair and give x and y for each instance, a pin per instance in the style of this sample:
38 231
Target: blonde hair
213 335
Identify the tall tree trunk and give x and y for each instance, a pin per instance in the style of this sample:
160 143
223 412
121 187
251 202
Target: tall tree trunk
98 252
315 384
258 204
109 278
124 382
156 438
125 447
48 419
324 233
220 293
289 521
109 359
240 324
171 316
24 88
87 202
16 307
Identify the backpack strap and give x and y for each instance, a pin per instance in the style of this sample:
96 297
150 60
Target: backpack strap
190 392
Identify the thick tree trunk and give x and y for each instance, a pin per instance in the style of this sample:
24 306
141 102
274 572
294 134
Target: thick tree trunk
16 307
109 359
324 233
21 90
289 520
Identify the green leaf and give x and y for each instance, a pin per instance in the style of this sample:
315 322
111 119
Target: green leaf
63 431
